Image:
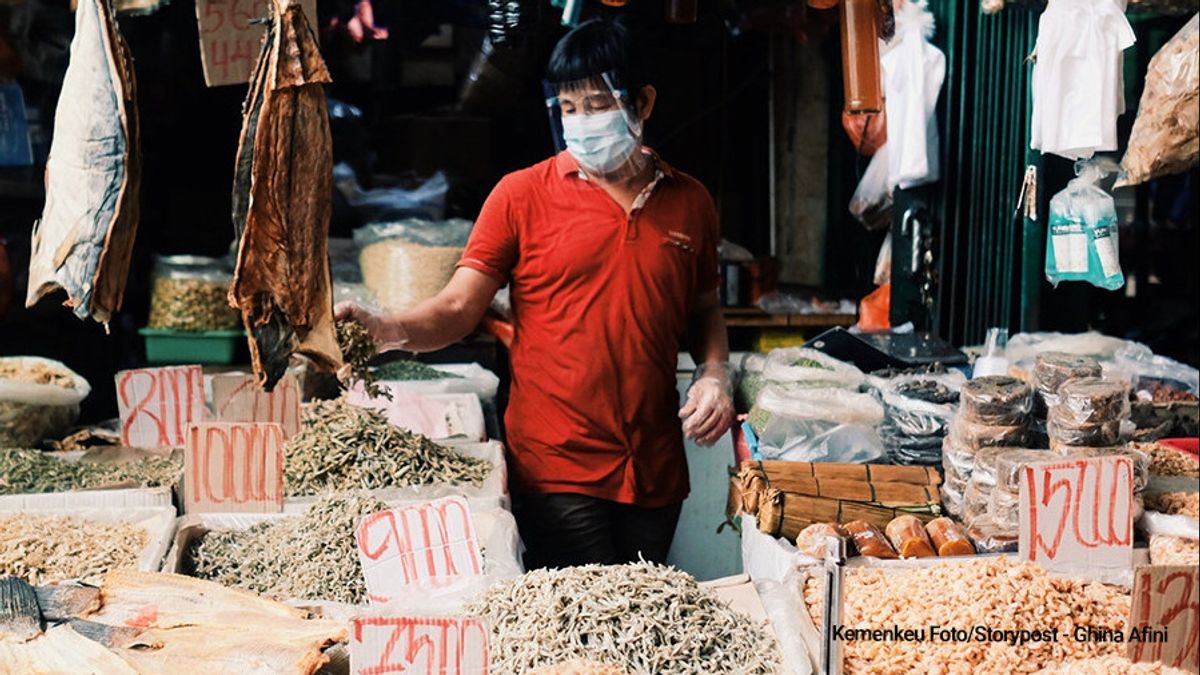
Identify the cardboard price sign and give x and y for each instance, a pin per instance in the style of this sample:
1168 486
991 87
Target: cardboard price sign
233 467
157 405
1077 514
1164 619
430 645
229 42
426 545
238 398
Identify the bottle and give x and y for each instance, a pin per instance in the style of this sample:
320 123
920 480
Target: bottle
993 360
860 57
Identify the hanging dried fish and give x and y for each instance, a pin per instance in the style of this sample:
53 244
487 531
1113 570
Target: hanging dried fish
84 240
344 447
281 203
643 617
357 351
43 549
312 557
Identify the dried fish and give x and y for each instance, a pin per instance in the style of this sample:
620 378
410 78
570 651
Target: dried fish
43 549
309 557
343 447
33 471
642 617
357 351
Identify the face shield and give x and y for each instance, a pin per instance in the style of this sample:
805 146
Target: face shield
597 123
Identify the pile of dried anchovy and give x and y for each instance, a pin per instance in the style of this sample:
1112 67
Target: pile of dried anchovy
34 471
43 549
405 370
309 557
344 447
643 617
357 351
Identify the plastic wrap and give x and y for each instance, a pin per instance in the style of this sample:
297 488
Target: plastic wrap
1160 524
909 538
1051 370
1009 465
949 538
1092 434
411 260
952 499
821 541
817 425
974 436
810 368
869 540
1141 461
750 380
1090 400
1004 507
977 500
1144 368
958 463
988 537
1082 238
996 400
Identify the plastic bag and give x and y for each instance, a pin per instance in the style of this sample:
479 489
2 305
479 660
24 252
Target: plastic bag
30 412
1145 369
874 311
922 405
411 260
913 72
472 378
818 425
867 133
871 203
1082 241
426 200
801 367
1023 348
996 400
883 262
1090 400
1166 133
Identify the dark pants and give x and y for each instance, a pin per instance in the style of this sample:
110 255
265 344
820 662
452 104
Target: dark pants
565 529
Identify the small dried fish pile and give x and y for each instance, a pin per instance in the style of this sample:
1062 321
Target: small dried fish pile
1175 503
36 373
33 471
357 351
643 617
1168 461
43 549
409 371
1167 550
343 447
310 557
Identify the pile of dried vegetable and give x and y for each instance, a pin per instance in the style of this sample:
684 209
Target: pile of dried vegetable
408 371
33 471
357 351
343 447
43 549
311 557
643 617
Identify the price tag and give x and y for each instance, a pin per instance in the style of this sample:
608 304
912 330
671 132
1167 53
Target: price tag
229 43
157 405
233 467
1164 620
426 545
1076 515
428 645
237 397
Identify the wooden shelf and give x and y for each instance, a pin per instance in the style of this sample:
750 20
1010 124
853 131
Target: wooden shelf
752 317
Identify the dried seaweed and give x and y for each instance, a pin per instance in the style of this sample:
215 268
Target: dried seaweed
343 447
310 557
33 471
43 549
643 617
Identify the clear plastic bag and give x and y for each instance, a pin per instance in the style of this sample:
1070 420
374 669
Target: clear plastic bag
1145 369
191 293
801 367
411 260
1166 134
1090 401
995 400
974 436
1010 464
922 405
1082 240
871 203
39 398
818 425
1086 435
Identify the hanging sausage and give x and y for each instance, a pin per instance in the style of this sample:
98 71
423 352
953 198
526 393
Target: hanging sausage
281 203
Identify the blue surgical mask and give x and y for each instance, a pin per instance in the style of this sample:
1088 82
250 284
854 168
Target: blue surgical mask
601 143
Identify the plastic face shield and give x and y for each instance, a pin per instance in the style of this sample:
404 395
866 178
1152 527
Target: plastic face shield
596 122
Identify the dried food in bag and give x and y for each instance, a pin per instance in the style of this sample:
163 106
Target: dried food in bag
973 435
958 462
996 399
1090 400
869 540
949 538
191 293
801 367
976 501
1004 507
1052 370
821 541
989 537
1009 466
985 471
1141 461
908 536
1090 434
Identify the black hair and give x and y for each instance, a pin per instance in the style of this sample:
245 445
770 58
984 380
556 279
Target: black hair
594 47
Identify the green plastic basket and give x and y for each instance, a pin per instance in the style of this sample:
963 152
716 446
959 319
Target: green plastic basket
164 346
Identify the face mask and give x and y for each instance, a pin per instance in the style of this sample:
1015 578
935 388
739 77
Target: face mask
601 143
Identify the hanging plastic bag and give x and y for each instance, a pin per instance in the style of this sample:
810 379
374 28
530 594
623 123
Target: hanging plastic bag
913 72
1082 240
1166 134
871 203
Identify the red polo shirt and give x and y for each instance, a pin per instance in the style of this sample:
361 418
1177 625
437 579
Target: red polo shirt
600 302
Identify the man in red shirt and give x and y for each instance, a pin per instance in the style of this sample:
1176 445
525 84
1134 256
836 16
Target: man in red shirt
611 257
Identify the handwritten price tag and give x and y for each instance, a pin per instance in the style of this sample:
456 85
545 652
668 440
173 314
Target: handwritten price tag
157 405
427 545
442 645
1077 514
238 398
1164 619
229 43
233 467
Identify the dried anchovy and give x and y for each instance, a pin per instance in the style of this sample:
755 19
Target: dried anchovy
36 373
190 304
357 351
311 557
33 471
44 549
643 617
344 447
405 370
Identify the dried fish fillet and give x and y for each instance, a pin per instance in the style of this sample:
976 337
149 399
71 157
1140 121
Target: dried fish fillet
281 204
295 647
60 650
84 240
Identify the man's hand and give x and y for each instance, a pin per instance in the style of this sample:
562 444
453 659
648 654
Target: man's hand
387 332
708 413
